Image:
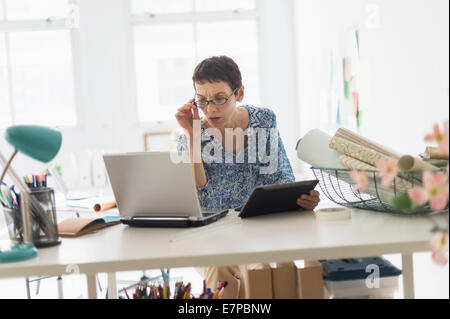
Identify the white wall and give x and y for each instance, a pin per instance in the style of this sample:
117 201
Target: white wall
408 55
278 76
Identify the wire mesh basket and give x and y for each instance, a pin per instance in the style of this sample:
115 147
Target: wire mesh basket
336 184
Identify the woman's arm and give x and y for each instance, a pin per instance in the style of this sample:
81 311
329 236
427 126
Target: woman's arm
196 161
204 191
284 172
187 116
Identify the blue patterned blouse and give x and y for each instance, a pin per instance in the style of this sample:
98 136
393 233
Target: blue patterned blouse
232 177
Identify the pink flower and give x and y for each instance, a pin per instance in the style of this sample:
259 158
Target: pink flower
418 195
435 189
388 170
360 178
436 186
439 248
442 138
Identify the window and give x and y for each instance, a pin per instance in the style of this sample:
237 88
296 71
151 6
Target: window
36 65
177 6
164 56
172 37
161 6
35 9
218 5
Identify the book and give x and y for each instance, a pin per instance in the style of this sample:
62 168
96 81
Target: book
74 227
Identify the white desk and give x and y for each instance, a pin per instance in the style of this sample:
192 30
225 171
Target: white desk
271 238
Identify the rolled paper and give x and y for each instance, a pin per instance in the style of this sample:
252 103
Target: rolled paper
101 207
361 140
353 163
313 149
434 153
407 163
356 151
401 185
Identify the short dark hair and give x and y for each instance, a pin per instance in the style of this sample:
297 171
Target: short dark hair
217 69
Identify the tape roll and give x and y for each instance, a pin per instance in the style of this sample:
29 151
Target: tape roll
340 213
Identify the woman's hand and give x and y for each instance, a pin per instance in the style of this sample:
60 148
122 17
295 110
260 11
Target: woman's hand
309 202
186 115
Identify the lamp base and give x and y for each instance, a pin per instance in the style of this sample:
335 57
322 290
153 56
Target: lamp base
18 253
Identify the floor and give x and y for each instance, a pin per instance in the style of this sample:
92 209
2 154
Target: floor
431 281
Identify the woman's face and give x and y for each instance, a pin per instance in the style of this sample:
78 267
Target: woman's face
218 115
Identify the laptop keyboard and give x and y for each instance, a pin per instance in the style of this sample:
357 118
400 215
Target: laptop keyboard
208 213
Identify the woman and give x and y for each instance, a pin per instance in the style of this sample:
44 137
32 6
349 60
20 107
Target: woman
227 163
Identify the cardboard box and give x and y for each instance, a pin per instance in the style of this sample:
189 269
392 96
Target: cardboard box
310 280
258 282
284 281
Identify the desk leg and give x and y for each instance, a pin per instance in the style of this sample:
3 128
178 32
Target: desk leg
92 286
60 287
408 276
112 286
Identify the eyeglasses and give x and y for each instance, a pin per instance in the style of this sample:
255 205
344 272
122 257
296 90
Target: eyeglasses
217 101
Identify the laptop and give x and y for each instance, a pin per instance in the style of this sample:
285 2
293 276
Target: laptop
68 194
151 190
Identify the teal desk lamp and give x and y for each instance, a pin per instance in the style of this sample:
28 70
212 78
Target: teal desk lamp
42 144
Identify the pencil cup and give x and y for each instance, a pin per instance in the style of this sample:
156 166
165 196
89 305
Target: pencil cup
13 219
44 224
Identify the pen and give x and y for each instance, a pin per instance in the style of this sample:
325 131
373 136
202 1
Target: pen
3 200
188 290
160 291
153 292
181 291
14 195
126 293
177 286
220 293
28 181
168 291
7 195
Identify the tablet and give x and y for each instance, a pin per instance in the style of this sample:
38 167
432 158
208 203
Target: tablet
276 198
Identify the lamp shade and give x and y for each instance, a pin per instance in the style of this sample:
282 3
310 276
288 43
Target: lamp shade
38 142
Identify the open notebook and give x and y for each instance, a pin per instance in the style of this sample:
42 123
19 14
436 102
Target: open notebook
74 227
